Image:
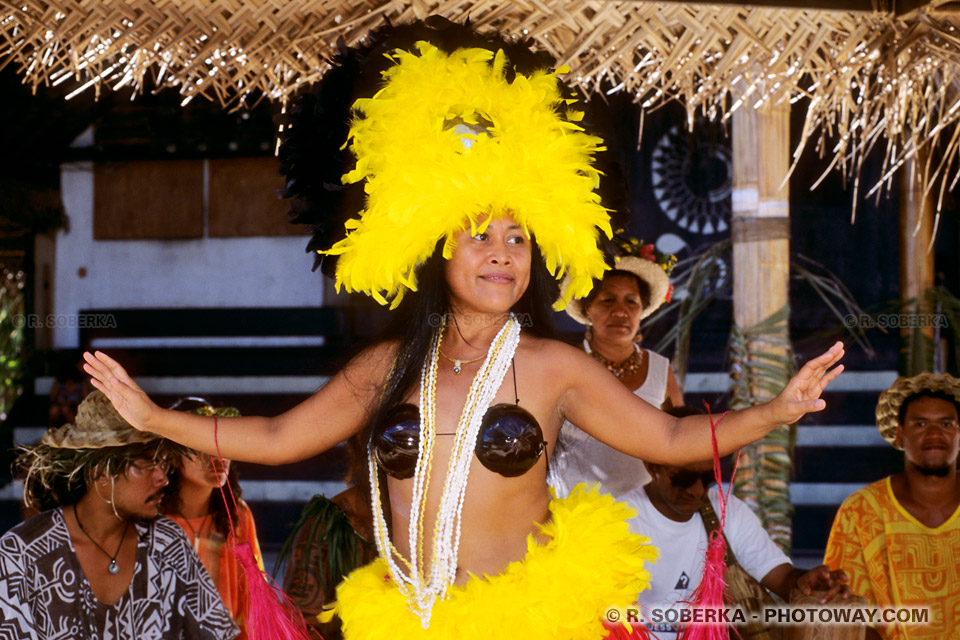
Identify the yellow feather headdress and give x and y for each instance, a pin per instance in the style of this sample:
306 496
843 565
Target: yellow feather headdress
448 143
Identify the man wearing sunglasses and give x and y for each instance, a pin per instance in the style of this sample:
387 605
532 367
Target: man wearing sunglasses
671 512
97 562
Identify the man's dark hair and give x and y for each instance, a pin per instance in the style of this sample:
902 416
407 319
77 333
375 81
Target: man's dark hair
58 477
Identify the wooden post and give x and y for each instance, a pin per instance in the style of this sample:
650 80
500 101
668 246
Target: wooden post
916 263
761 264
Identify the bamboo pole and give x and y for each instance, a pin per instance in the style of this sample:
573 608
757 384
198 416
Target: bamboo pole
761 262
917 215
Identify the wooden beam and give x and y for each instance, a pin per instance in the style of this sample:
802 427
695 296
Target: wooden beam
916 231
903 7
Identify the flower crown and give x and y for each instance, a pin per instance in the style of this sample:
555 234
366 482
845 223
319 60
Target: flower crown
631 246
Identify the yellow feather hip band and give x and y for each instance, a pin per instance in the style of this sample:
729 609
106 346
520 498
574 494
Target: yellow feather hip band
559 591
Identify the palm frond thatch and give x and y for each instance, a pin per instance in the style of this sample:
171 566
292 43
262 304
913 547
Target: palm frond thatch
872 78
700 279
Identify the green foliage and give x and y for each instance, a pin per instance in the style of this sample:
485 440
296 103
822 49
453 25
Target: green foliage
11 337
762 363
324 526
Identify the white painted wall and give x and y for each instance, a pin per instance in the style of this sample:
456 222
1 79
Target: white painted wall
207 272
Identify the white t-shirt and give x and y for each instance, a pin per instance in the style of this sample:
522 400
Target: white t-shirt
675 576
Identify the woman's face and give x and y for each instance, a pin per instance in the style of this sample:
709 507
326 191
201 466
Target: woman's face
489 271
198 470
615 311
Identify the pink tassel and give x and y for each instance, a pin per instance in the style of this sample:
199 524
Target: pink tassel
712 591
270 615
711 594
617 631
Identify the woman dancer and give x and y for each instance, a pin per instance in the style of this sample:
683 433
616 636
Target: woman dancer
479 187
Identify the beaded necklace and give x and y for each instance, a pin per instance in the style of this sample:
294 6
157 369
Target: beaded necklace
626 368
419 587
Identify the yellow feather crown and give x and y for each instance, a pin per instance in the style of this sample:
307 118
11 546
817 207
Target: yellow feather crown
446 144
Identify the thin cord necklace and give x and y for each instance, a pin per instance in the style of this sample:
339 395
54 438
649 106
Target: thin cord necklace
458 363
626 368
114 568
196 532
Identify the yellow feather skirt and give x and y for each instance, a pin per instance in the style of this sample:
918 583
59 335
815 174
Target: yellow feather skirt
560 590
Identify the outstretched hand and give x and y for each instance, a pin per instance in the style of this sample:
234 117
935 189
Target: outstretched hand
802 393
127 397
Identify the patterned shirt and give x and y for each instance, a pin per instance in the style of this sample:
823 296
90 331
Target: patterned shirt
893 560
44 594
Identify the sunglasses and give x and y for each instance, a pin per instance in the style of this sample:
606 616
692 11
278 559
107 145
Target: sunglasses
686 479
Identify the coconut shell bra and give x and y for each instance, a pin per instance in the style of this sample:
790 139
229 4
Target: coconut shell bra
510 441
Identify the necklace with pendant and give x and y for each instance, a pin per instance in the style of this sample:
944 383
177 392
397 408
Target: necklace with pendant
458 363
197 533
113 568
626 368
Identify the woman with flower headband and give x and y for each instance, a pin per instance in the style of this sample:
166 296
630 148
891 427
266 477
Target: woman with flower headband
471 189
636 286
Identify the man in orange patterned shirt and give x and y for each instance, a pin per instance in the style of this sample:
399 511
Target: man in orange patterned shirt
899 539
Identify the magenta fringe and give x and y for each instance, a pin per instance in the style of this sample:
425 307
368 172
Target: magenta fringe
712 592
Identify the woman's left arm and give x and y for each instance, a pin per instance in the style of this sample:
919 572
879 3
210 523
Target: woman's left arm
596 402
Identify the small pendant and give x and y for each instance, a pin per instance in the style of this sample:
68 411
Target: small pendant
113 568
456 367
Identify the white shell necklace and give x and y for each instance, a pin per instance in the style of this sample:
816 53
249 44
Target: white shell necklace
421 588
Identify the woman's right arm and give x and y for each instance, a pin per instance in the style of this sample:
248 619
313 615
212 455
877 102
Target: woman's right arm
331 415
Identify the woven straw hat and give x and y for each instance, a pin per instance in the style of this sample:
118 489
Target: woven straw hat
648 271
97 425
888 407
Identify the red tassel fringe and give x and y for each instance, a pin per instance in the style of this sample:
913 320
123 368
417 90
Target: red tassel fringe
270 613
711 594
617 631
712 591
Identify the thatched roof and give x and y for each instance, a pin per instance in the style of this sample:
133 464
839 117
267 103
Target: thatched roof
871 75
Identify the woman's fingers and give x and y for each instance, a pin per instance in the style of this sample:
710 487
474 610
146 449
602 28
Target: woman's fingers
828 378
107 375
111 375
118 371
817 373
